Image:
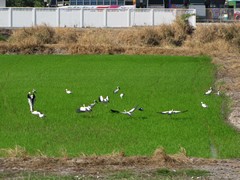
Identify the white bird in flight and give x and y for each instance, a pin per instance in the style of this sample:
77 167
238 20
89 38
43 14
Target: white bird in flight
129 113
204 105
170 112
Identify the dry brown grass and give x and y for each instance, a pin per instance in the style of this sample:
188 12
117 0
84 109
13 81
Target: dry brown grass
17 152
206 39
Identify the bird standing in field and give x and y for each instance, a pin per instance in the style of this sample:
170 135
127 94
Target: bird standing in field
218 93
31 99
209 91
116 90
121 95
103 100
84 108
204 105
68 91
170 112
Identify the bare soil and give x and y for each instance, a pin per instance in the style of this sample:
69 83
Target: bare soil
104 167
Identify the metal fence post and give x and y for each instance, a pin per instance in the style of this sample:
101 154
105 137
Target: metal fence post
58 16
81 17
34 16
105 17
128 18
10 17
152 16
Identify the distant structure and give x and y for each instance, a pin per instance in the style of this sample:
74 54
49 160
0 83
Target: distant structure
137 3
2 3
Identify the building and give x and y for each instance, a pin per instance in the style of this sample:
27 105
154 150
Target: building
2 3
152 3
99 2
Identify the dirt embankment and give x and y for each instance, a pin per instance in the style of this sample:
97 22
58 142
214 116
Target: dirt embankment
106 167
221 42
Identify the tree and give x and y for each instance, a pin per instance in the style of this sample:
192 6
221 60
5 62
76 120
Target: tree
25 3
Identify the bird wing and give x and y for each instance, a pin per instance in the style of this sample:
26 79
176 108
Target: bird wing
127 113
164 112
176 112
100 98
133 109
107 98
114 111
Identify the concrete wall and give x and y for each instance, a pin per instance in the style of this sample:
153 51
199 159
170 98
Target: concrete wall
58 17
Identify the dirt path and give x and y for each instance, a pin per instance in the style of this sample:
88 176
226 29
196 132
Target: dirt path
104 168
229 74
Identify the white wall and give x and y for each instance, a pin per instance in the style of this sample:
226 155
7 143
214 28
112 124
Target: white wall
58 17
2 3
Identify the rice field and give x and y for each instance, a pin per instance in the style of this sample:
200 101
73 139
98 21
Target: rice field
155 83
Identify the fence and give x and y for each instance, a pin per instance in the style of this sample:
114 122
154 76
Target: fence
73 17
222 15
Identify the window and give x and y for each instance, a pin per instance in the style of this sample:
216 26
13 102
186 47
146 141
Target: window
93 2
73 2
106 2
176 1
113 2
79 2
121 2
86 2
100 2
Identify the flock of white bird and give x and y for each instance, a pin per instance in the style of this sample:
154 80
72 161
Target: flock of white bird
208 92
32 98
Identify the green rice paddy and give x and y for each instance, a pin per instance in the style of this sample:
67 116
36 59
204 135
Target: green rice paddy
156 83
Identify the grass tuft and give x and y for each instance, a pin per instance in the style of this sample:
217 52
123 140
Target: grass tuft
17 152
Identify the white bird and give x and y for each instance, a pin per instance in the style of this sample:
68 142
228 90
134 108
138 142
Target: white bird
209 91
121 95
204 105
129 113
68 91
116 90
103 100
84 108
170 112
93 104
31 99
218 93
39 114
